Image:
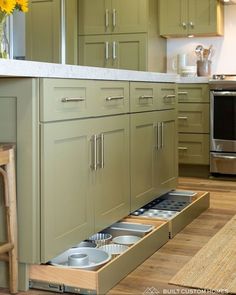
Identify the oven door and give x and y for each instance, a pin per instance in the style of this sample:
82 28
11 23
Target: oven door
223 121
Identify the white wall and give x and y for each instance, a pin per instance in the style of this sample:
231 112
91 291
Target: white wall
224 59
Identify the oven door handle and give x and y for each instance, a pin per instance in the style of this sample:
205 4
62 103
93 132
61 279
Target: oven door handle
225 157
224 93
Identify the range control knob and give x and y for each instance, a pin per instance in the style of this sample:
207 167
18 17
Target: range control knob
222 77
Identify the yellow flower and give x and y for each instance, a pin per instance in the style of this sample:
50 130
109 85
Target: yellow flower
7 6
22 4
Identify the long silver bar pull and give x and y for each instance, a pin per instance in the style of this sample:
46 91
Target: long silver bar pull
114 50
109 98
158 136
102 151
162 135
93 165
72 99
106 18
106 50
114 18
155 136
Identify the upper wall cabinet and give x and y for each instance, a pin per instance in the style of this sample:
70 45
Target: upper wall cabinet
112 16
181 18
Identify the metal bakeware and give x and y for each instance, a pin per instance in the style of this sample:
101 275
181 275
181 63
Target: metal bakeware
114 249
161 214
101 239
96 258
129 228
126 240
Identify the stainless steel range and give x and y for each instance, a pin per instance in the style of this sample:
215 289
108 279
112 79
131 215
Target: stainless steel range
223 124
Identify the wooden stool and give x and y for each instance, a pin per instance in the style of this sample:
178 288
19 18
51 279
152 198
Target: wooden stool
8 249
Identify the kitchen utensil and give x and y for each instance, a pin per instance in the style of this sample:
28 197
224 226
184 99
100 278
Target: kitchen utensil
199 52
101 238
129 228
114 249
96 258
126 240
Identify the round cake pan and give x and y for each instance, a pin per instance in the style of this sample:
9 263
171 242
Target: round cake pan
114 249
101 239
89 244
96 258
126 240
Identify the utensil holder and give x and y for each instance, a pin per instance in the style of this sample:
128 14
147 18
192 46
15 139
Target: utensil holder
203 68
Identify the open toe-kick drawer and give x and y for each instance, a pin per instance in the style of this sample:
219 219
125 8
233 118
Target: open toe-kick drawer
77 280
178 207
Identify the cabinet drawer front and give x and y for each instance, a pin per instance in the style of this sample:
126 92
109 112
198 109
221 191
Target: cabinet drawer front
109 98
167 96
62 99
193 118
193 93
143 97
100 281
194 149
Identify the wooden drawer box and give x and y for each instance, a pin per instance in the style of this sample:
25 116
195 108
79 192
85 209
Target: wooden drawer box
66 99
193 117
99 282
200 202
193 149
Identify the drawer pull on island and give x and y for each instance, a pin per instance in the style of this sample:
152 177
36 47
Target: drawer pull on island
72 99
183 118
109 98
93 165
182 148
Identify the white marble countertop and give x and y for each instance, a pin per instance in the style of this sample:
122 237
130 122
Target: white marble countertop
19 68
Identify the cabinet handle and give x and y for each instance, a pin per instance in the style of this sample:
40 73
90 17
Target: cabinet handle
145 97
72 99
93 165
183 118
225 157
114 18
184 25
155 136
182 148
106 50
158 136
102 150
109 98
162 135
114 50
106 18
169 98
191 25
183 93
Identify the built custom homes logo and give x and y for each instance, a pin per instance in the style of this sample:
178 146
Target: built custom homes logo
151 290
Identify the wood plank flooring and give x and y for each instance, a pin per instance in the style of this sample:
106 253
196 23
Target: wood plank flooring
153 275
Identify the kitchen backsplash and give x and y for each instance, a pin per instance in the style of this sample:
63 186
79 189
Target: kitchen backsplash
224 57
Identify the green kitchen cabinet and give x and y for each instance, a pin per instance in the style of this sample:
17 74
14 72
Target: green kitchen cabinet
114 51
153 155
194 129
112 16
84 179
179 18
43 31
120 34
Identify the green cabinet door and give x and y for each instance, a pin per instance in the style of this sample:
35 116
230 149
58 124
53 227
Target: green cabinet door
143 158
110 181
43 31
126 51
173 17
112 16
191 17
66 216
129 16
167 156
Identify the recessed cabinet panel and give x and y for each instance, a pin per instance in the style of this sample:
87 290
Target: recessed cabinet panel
194 149
111 190
193 118
193 93
143 158
66 207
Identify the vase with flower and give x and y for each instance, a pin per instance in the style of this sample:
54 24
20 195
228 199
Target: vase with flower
7 7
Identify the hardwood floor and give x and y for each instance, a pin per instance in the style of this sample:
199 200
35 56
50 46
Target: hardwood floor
152 276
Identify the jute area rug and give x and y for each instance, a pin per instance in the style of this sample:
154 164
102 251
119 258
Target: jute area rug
214 266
